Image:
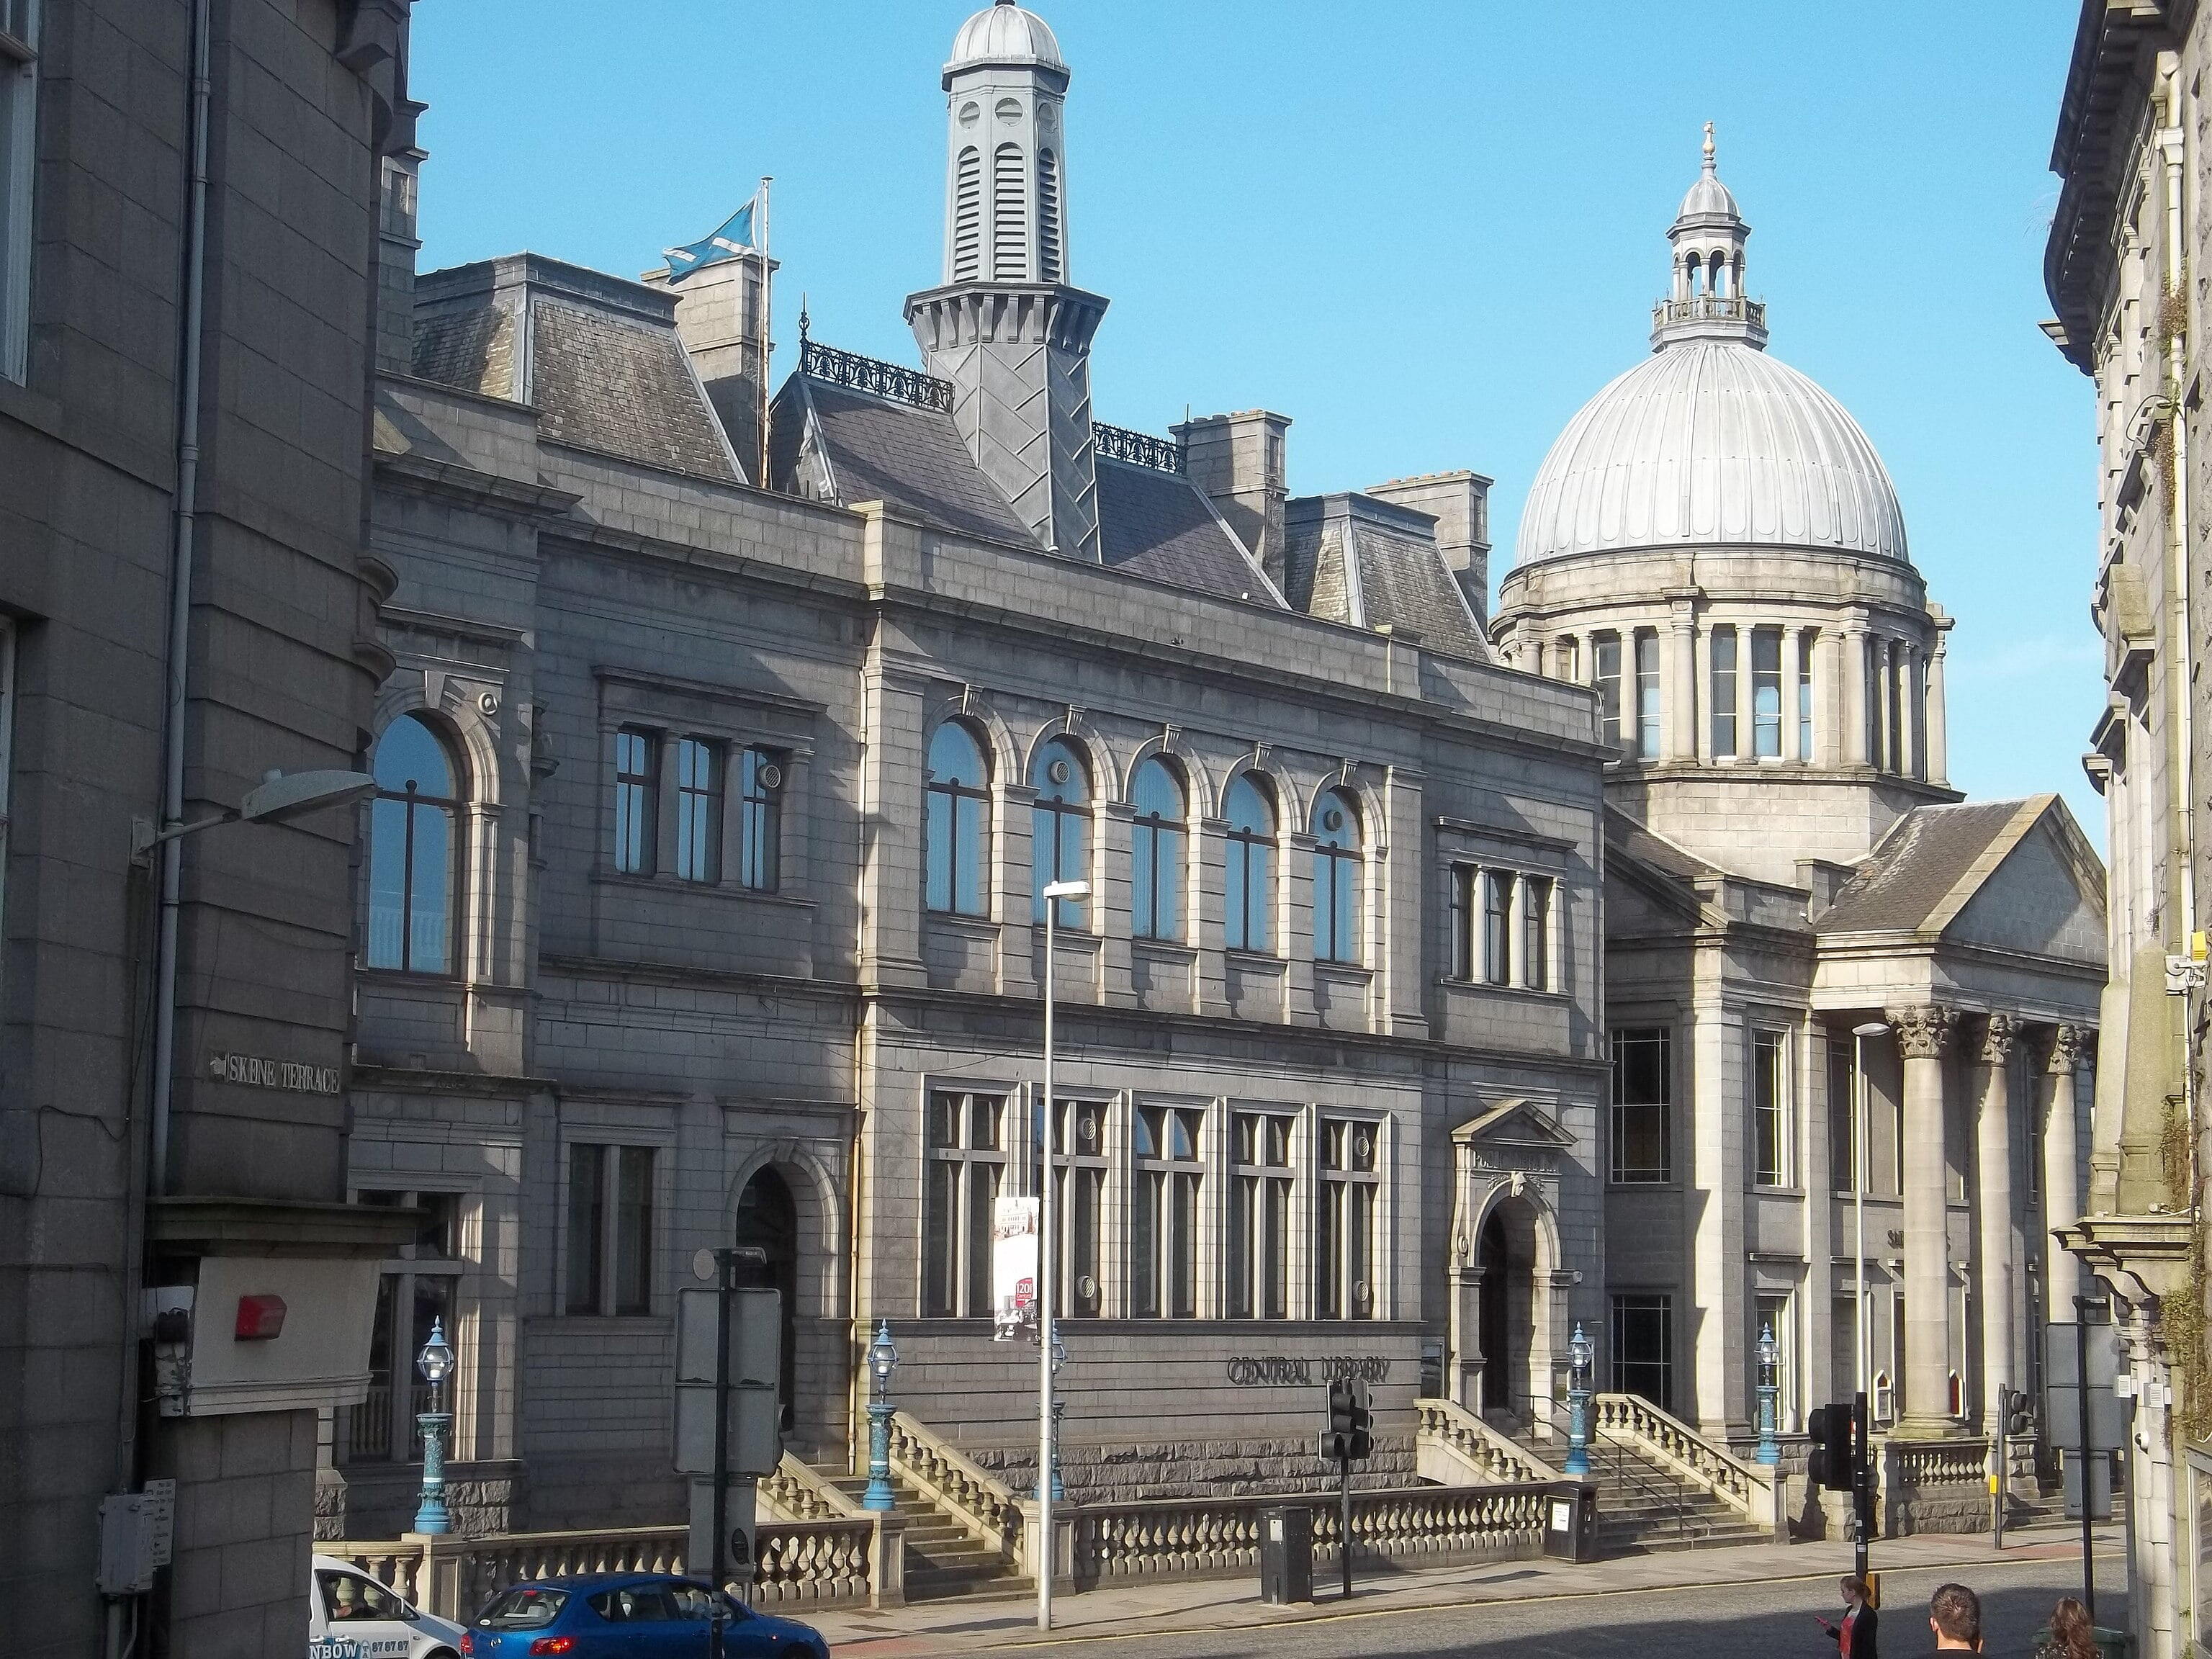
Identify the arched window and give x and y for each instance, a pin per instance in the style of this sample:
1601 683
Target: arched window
1251 873
1161 851
1060 824
957 838
1047 217
413 851
968 217
1009 222
1337 869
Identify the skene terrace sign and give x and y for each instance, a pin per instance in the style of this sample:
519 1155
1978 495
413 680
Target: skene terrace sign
256 1072
1277 1370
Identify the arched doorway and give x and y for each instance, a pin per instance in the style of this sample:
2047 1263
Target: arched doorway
768 1220
1495 1257
1509 1307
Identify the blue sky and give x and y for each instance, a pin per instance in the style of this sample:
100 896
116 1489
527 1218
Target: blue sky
1426 232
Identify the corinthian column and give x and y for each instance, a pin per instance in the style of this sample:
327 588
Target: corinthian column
2062 1174
1923 1036
1993 1208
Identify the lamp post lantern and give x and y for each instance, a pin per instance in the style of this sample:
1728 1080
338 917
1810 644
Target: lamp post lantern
883 1360
1055 892
436 1361
1770 1453
1578 1400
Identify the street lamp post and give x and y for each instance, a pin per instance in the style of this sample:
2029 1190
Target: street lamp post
1770 1453
1578 1400
1055 892
436 1360
883 1360
1862 1358
1059 1411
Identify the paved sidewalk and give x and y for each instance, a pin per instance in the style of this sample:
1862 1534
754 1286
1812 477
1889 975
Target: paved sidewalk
971 1625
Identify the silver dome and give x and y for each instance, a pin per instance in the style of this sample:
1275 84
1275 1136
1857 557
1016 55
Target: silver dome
1709 199
1711 443
1005 34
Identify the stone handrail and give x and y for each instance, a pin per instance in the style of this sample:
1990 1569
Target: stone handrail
1942 1462
1219 1537
1672 1443
848 1558
1462 1446
797 1492
981 1506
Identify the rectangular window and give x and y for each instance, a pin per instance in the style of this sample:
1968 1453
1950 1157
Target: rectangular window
1770 1107
1345 1287
1642 1105
760 849
1536 933
7 752
1774 1315
1078 1197
698 810
609 1230
19 86
1164 1214
1605 653
1647 695
637 795
1464 880
964 1163
1766 692
1806 644
1843 1117
1497 926
1259 1218
415 1290
1722 651
1643 1347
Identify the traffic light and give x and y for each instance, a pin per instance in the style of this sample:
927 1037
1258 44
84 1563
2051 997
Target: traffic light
1832 1462
2019 1416
1350 1437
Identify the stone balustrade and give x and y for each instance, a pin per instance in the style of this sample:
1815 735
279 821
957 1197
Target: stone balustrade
1934 1485
963 1492
1454 1447
1219 1537
798 1492
1746 1488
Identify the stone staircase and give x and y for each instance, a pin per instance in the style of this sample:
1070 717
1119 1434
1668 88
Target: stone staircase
1641 1507
943 1558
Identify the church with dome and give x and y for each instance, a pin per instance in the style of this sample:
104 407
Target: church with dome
1439 990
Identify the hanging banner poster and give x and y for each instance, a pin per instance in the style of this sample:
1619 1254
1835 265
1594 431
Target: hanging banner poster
1013 1266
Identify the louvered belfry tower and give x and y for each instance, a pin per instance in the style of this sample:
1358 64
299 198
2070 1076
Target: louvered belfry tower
1005 328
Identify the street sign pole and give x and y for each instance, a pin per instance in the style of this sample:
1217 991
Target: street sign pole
2082 1304
1344 1517
727 1281
1861 1485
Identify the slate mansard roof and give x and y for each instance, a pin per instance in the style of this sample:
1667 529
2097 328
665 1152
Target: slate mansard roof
850 429
597 356
1372 564
1915 876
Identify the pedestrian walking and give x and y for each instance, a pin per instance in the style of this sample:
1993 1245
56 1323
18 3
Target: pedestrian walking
1855 1637
1954 1613
2072 1636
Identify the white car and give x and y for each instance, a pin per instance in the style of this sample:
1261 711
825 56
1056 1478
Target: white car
351 1616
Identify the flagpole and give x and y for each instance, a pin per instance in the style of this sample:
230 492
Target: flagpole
768 316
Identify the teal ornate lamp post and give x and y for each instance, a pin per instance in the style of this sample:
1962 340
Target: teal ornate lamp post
1769 1454
1578 1399
1059 1411
883 1360
436 1360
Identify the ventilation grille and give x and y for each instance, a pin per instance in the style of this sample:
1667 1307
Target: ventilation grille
967 218
1048 218
1008 227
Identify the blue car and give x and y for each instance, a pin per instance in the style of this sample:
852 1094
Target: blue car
629 1615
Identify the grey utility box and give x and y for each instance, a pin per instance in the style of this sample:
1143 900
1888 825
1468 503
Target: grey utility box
1571 1522
1285 1555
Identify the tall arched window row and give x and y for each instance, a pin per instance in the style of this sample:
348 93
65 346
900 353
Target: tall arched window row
1162 853
956 835
968 217
414 851
1059 827
1009 222
1250 889
1049 217
1338 868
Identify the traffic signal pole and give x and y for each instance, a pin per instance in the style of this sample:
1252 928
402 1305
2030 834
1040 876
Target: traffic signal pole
1344 1518
1862 1487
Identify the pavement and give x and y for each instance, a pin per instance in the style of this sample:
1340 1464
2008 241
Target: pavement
1140 1615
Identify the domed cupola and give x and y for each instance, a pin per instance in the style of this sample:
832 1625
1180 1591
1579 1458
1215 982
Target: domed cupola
1005 34
1705 299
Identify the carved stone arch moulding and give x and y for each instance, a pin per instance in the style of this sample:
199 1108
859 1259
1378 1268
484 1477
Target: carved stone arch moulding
974 710
1199 784
1107 773
457 710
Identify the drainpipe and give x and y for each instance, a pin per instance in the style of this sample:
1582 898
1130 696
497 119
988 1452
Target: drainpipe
156 1168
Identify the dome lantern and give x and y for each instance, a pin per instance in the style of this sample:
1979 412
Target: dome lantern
1705 299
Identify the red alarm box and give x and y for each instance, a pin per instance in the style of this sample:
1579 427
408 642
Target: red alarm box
260 1318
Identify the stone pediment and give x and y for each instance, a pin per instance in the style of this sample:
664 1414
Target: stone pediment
1519 1123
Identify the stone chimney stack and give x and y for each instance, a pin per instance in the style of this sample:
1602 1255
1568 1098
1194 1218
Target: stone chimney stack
1459 503
1238 460
721 317
396 246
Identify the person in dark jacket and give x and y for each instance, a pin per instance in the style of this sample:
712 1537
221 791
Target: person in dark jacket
1855 1637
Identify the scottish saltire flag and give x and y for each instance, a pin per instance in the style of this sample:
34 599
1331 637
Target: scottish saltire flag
733 238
